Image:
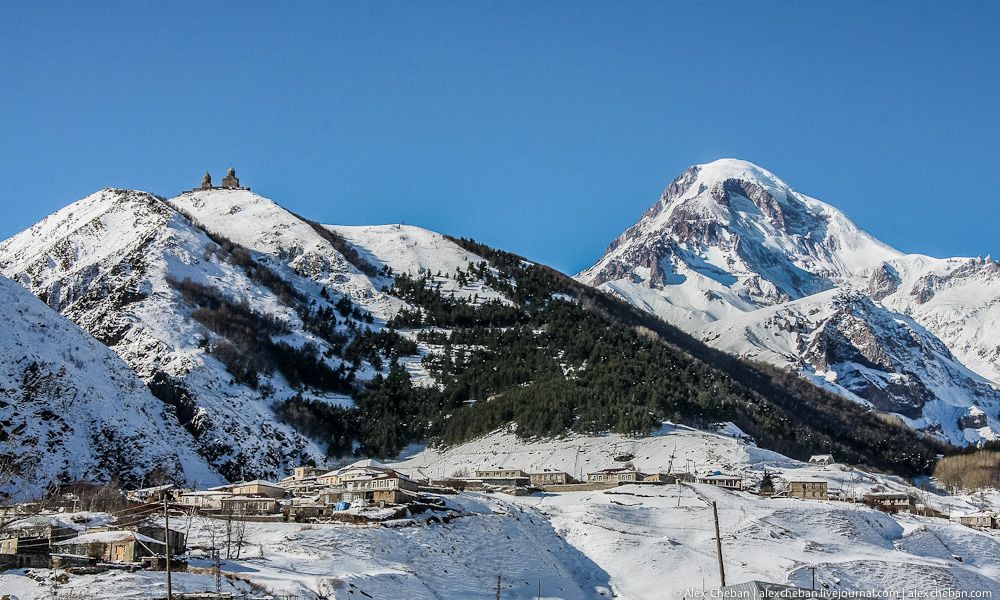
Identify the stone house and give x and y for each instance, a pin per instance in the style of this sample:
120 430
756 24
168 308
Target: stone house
659 478
889 501
303 481
29 541
986 519
204 499
250 505
112 546
258 487
378 484
821 459
26 552
719 479
626 474
551 478
331 495
503 477
178 541
500 474
809 489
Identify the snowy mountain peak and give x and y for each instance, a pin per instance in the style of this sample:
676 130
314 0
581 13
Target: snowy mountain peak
731 228
734 255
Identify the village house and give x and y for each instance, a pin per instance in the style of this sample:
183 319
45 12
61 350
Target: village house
503 477
178 541
551 478
626 474
151 494
250 505
258 487
302 481
18 552
925 510
112 546
720 479
821 459
984 519
376 483
659 478
331 495
204 499
308 508
889 501
328 479
28 542
808 489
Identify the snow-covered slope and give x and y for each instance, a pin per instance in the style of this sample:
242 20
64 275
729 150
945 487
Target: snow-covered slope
71 409
107 263
633 542
735 256
654 541
416 252
262 225
138 273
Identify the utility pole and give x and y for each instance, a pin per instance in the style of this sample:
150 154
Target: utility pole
498 586
718 544
814 576
166 543
217 566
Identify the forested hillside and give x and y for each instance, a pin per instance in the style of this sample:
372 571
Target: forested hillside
561 356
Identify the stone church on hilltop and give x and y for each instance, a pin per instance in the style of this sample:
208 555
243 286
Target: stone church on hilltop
229 182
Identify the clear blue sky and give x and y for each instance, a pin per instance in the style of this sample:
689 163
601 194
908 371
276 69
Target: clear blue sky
540 127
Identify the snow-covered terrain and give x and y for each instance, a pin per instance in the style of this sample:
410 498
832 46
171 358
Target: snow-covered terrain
735 256
654 540
71 409
111 262
106 262
634 542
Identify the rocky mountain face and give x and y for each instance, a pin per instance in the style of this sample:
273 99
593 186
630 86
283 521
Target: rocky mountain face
226 305
735 256
71 409
273 340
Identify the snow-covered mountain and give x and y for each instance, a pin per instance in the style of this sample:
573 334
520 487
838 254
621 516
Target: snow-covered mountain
71 409
733 255
169 284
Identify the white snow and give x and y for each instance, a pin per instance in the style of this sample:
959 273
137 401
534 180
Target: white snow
757 277
77 409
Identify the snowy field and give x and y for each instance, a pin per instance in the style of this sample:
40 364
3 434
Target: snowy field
636 542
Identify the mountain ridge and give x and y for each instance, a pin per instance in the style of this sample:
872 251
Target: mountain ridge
728 241
275 345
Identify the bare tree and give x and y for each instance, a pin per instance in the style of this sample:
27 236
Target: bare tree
239 532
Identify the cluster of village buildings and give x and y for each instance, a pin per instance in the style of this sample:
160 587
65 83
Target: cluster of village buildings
316 494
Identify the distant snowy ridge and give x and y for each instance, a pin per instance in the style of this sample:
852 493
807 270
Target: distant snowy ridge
735 256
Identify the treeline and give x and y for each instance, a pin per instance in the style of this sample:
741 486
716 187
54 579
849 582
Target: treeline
970 471
437 309
781 410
